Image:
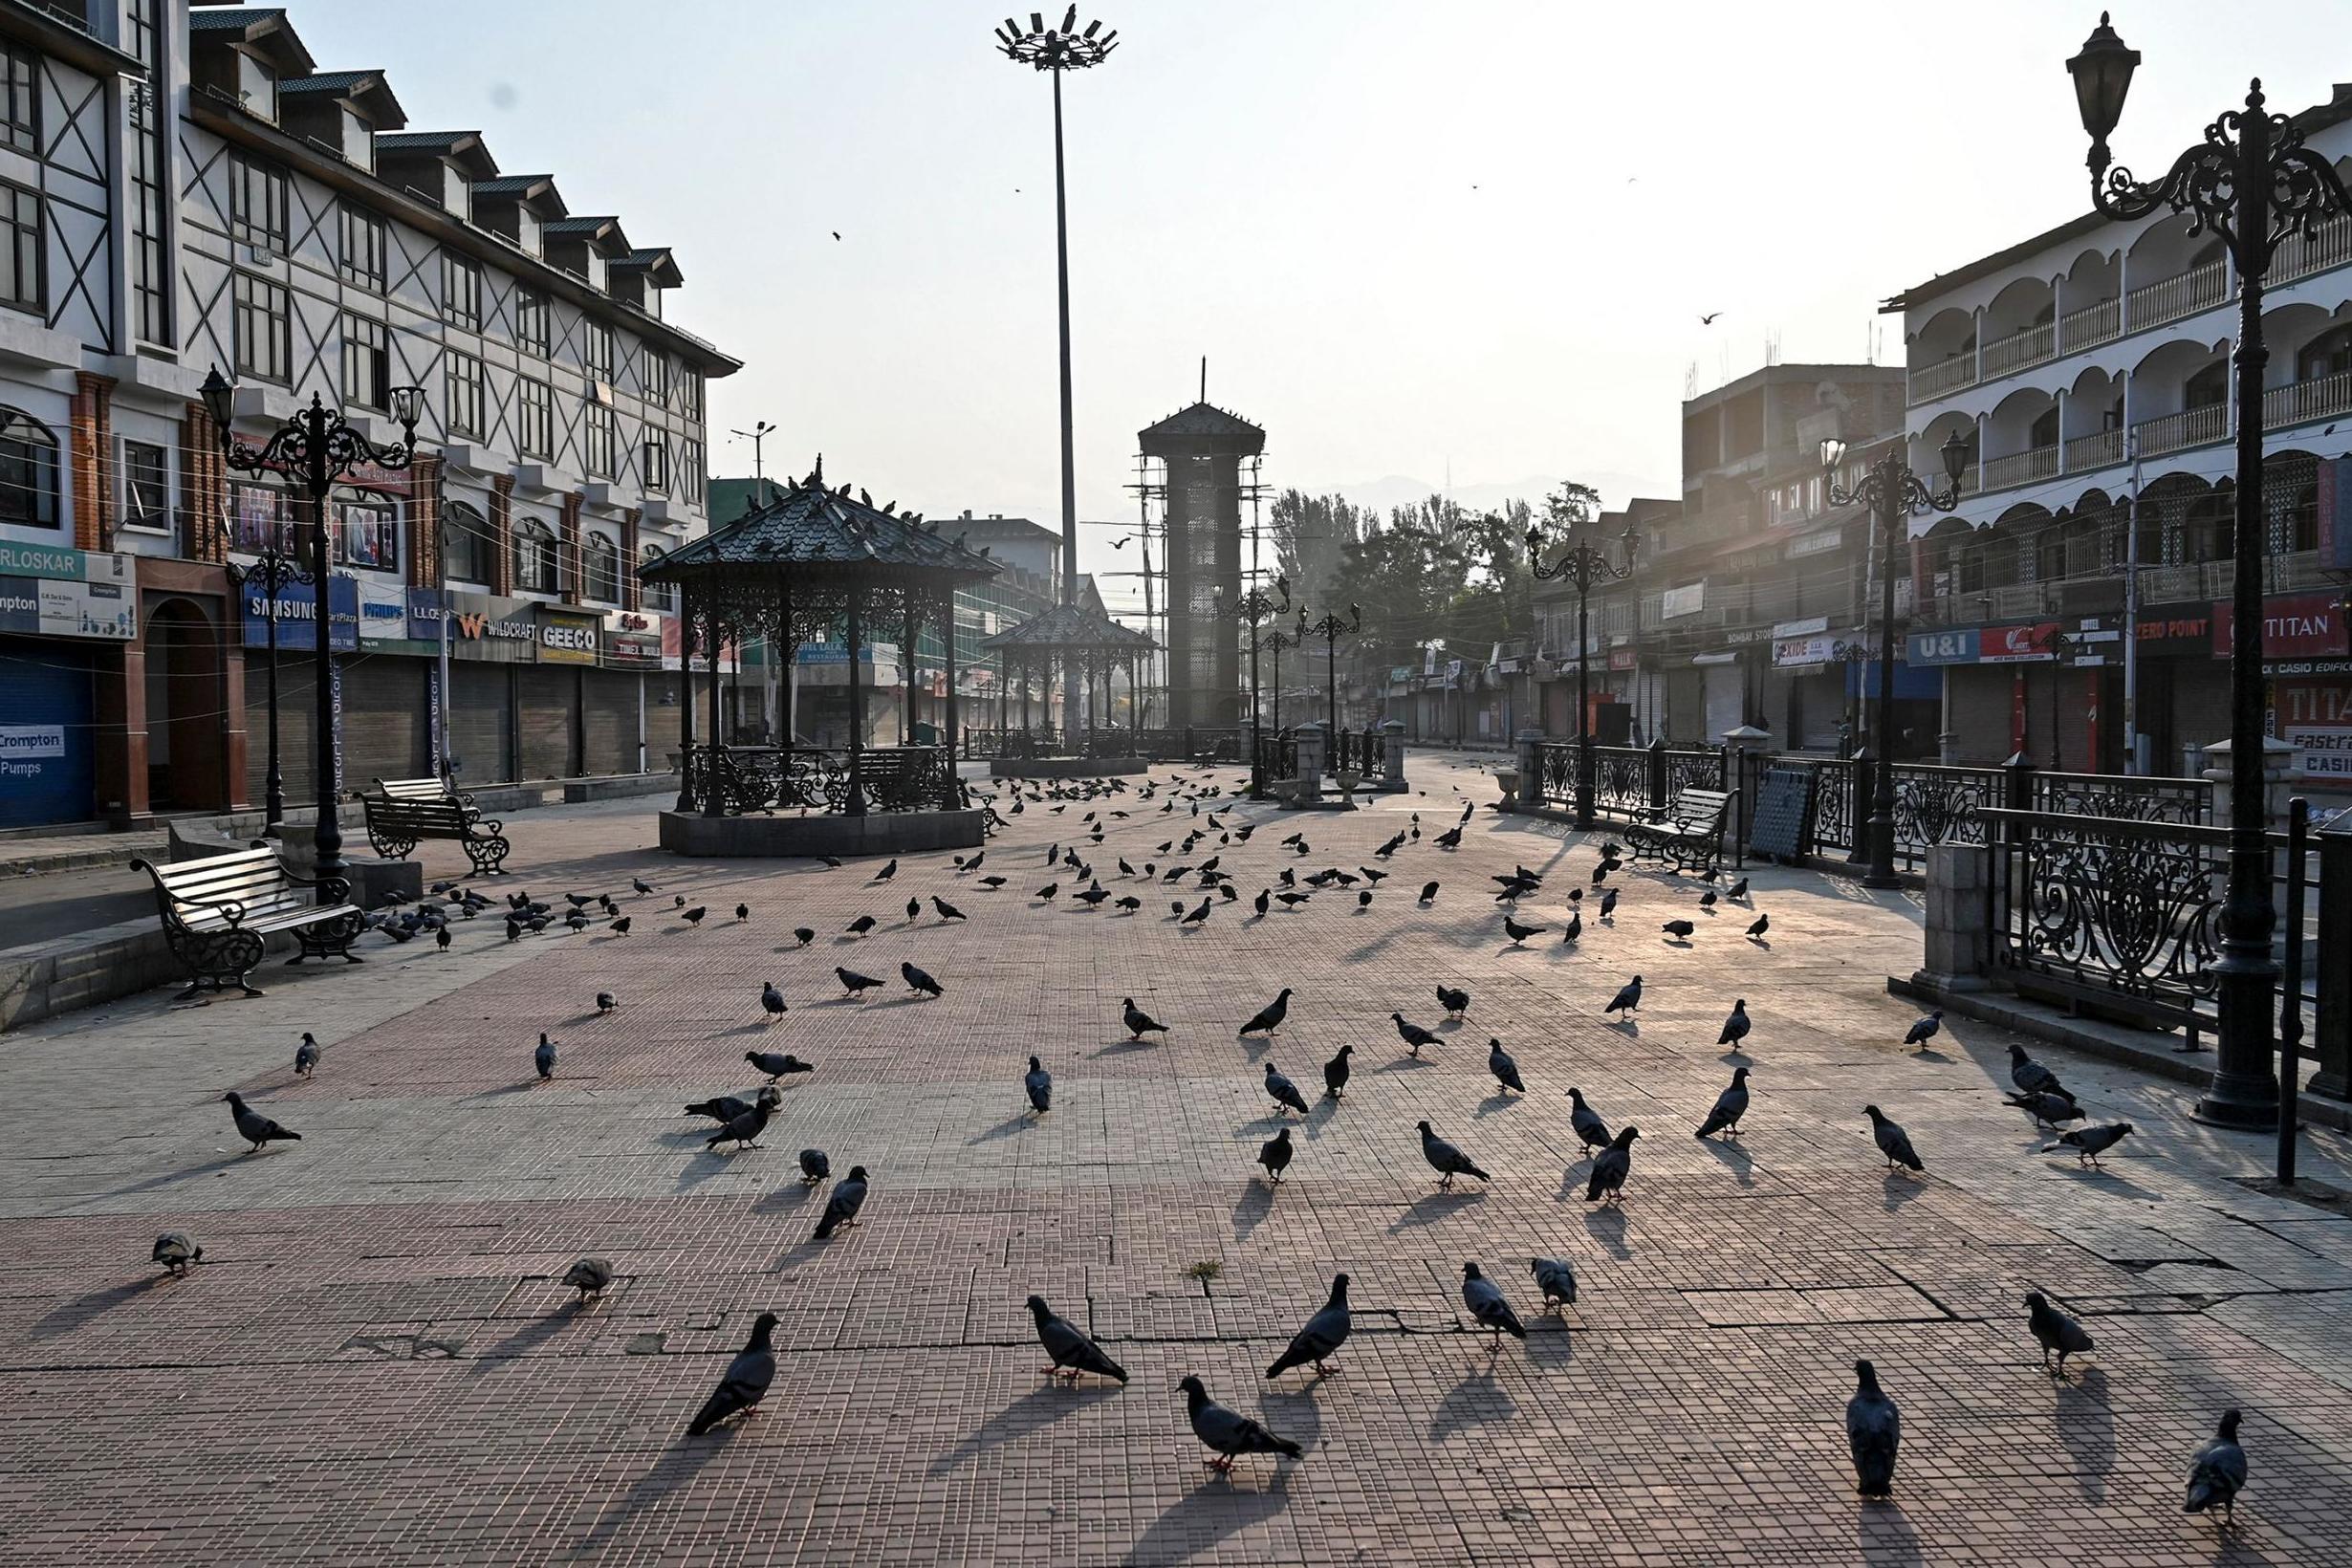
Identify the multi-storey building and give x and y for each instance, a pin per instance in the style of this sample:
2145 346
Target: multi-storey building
286 225
2089 370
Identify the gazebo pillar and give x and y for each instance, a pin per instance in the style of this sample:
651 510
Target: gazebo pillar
686 700
856 803
782 637
950 796
907 675
714 791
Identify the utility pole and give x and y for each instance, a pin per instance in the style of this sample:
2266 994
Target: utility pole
2133 761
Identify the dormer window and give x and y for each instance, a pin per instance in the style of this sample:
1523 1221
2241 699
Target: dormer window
359 140
257 86
527 231
456 191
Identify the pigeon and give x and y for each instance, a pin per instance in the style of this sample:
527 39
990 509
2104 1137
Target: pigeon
770 999
1729 1106
2047 1108
1069 1352
1923 1030
1228 1433
694 916
2089 1142
1611 1167
1262 900
914 908
1039 1085
1628 998
1413 1035
1322 1337
1736 1027
1198 915
854 983
743 912
1893 1141
887 872
2055 1330
1047 892
842 1208
1283 1092
642 885
1608 904
2029 1075
441 934
1873 1432
620 927
803 935
745 1383
1738 890
306 1055
1519 933
1139 1022
1335 1073
177 1251
1678 929
1446 1159
1429 893
728 1107
1758 926
777 1066
1129 904
1505 1070
743 1130
1364 900
1574 930
1485 1300
1555 1280
1269 1020
589 1277
2217 1472
606 1001
1706 900
1275 1154
815 1167
1592 1133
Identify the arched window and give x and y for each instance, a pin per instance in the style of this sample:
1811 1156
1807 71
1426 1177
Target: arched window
27 470
600 567
657 595
2046 430
465 543
2208 387
2330 353
535 559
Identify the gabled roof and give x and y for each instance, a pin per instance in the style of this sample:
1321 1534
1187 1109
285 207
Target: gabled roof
659 267
1070 627
464 147
826 535
365 87
1206 420
265 27
537 190
601 232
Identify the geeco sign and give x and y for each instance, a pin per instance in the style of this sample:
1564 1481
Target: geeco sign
568 639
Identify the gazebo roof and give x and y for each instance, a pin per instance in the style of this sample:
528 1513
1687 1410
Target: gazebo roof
809 532
1069 628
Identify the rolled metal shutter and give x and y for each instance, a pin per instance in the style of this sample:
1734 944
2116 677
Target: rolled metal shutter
609 716
387 729
296 707
546 714
478 721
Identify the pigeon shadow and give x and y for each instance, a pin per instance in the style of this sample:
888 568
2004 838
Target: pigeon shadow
1025 1417
1549 1344
2107 1181
1883 1537
1675 942
1736 1158
1435 1207
1902 1188
1204 1516
1297 1413
1931 1054
1264 1124
68 1315
1607 1227
673 1472
530 1337
2086 1427
1006 1128
523 1088
709 1163
1477 1400
1404 1064
1323 1111
785 1198
1123 1046
1250 1211
1498 1100
1760 942
1630 1027
170 1178
757 1027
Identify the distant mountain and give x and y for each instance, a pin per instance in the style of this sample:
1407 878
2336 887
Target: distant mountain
1399 490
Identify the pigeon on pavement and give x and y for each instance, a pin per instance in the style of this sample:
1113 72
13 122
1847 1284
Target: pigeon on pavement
1139 1022
946 910
306 1055
1628 998
917 980
1555 1280
1269 1020
1275 1154
1505 1070
1519 933
589 1277
1413 1035
1873 1432
1729 1106
1758 926
842 1208
1585 1122
1893 1141
1448 1161
2047 1108
1228 1433
887 872
742 1130
2217 1471
725 1108
1335 1073
770 999
815 1167
176 1250
1486 1303
1923 1030
2055 1330
777 1066
1736 1027
860 927
606 1001
544 1058
1322 1337
1429 893
803 935
1678 929
2089 1142
1610 1169
255 1128
1038 1084
1456 1002
2029 1075
854 983
1283 1092
745 1383
1069 1352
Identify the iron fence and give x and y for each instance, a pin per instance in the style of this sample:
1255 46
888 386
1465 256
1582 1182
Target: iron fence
769 778
2181 800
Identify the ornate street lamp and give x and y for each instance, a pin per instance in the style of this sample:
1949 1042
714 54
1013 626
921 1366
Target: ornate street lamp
1273 642
1055 50
2253 182
1893 492
1331 628
1585 567
271 572
317 447
1251 608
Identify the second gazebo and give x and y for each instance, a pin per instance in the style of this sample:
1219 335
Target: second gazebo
1081 636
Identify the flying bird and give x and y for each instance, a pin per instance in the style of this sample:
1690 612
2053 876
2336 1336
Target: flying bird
1707 320
1322 1337
1226 1433
1485 1300
2217 1472
1069 1352
745 1383
1873 1432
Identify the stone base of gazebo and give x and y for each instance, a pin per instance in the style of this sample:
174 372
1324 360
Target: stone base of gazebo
1047 768
794 838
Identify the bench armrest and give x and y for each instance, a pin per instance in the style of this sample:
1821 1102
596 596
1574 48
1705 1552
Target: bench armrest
339 888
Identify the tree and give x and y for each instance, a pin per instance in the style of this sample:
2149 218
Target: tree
1312 534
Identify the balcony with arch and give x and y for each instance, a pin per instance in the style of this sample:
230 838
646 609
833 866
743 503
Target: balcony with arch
2309 376
1926 453
1943 356
2091 423
2180 396
2020 441
2187 273
2019 328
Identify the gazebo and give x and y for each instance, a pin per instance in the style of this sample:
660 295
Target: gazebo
1081 635
808 563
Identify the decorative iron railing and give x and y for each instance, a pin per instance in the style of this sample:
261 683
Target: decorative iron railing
2182 801
1935 804
979 743
767 778
1279 754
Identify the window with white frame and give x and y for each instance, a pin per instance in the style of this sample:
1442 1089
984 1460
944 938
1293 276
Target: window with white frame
537 568
465 543
27 471
534 417
601 568
366 535
146 485
597 440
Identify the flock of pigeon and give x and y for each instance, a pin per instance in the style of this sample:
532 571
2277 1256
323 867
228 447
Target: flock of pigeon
1873 1420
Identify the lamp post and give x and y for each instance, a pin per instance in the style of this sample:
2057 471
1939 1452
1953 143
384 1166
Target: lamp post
1274 642
316 447
1251 608
1057 50
1584 566
1331 628
2253 182
1893 492
270 573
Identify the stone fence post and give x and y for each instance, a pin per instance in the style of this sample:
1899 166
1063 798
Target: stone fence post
1393 780
1313 744
1959 938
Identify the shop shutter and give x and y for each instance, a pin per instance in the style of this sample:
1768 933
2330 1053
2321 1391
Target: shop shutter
478 721
296 707
548 693
388 724
609 715
47 693
1686 716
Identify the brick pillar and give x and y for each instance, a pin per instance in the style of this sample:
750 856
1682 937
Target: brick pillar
425 553
629 520
502 534
567 546
90 420
204 488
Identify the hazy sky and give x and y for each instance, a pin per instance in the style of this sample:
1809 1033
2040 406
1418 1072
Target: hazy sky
1465 234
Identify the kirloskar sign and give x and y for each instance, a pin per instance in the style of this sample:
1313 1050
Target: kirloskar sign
57 591
2293 626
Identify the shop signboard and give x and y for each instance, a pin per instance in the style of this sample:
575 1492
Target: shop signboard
493 628
1624 658
383 610
56 591
1688 600
1818 649
2032 644
568 636
2315 717
2293 626
296 605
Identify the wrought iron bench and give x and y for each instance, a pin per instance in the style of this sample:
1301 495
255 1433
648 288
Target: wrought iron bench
220 912
400 811
1689 832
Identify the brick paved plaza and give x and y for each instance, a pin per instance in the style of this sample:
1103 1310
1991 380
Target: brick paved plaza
376 1361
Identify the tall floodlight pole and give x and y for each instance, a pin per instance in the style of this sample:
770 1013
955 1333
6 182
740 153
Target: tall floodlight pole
2254 185
1057 50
